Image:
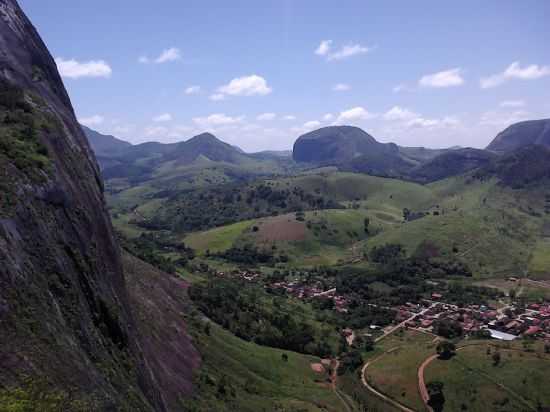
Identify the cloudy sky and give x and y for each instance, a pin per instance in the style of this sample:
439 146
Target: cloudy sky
260 73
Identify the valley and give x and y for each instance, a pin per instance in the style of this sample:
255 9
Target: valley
375 262
370 270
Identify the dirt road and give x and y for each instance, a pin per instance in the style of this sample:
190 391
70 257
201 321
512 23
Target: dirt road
389 400
421 384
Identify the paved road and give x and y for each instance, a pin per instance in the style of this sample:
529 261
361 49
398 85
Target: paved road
391 330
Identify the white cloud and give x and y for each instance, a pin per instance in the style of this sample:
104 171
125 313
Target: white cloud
95 120
169 55
515 71
165 117
399 113
289 117
266 116
402 88
512 103
348 51
341 87
217 97
217 119
193 90
354 114
323 48
446 78
246 86
122 129
312 124
503 119
421 122
328 117
156 131
73 69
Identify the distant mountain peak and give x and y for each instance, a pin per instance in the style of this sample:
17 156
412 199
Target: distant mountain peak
205 137
103 144
522 134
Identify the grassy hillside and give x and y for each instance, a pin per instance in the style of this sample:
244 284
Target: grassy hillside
490 227
242 376
496 230
518 382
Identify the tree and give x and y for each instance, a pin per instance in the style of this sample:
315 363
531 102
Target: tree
437 399
350 362
512 294
496 358
369 344
446 349
449 329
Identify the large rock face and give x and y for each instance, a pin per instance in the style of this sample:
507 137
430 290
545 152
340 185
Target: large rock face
518 135
68 339
334 144
352 149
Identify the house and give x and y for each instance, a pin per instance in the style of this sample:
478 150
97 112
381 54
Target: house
426 323
436 296
532 331
495 334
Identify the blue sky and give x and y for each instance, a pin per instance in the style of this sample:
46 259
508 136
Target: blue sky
260 73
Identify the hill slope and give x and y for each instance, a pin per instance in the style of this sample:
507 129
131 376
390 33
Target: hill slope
522 134
339 144
451 163
352 149
104 145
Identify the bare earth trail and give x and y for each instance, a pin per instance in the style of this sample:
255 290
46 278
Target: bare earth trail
422 384
334 385
364 380
386 398
424 391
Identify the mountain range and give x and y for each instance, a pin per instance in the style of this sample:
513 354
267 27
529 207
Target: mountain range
87 325
346 147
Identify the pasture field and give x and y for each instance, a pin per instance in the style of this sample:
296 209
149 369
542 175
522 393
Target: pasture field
473 382
258 378
394 370
539 265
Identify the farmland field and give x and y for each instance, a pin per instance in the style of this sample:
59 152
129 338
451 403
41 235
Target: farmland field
518 382
394 372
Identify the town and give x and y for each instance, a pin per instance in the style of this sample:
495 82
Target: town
506 322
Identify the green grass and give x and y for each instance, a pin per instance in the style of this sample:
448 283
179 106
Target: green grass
394 373
495 230
539 265
260 377
479 223
218 239
470 378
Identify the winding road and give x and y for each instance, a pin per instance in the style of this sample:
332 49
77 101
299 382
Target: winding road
389 400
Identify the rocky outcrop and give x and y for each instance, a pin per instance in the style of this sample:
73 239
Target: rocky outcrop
68 337
522 134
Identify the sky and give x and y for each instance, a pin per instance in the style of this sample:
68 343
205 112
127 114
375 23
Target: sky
258 74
